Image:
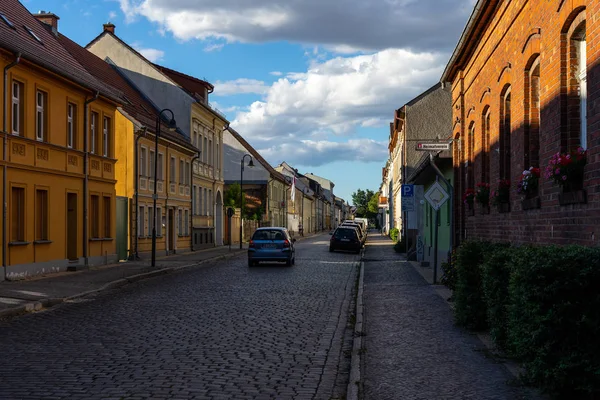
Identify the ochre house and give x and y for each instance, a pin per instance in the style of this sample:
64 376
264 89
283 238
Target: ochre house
525 81
58 161
135 169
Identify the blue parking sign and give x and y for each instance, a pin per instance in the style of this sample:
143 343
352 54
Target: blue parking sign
408 190
407 193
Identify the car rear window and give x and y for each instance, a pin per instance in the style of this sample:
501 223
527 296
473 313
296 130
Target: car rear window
269 234
345 234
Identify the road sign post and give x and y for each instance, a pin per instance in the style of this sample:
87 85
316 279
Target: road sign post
230 212
436 196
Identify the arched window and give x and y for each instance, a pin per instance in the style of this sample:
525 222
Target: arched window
485 145
582 78
531 139
504 136
470 162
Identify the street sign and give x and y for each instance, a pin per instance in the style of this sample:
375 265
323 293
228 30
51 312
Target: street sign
433 146
436 196
408 197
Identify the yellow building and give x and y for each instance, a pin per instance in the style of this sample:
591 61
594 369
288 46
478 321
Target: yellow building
54 111
137 157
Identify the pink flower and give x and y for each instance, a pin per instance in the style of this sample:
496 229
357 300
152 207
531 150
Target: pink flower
564 177
557 171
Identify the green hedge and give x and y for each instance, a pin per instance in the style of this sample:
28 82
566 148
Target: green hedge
449 274
554 318
400 246
394 234
470 307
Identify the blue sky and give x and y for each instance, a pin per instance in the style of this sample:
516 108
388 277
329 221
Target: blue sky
311 82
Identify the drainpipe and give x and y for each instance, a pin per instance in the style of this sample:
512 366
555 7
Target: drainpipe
136 167
451 193
192 193
4 157
86 160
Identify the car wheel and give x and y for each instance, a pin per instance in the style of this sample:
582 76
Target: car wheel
250 263
294 261
288 262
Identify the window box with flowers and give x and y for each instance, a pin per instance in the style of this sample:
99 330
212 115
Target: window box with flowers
566 170
528 187
482 196
469 199
501 196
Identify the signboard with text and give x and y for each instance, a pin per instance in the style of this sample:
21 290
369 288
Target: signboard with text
433 146
408 197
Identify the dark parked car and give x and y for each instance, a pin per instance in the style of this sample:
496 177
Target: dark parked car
271 244
345 238
361 233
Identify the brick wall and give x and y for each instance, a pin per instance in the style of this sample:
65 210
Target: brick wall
516 33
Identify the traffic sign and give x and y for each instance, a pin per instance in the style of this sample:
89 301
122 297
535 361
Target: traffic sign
433 146
408 197
436 196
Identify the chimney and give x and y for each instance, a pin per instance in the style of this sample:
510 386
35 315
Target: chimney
109 27
48 18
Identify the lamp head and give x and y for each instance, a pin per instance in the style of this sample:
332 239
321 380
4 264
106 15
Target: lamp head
251 164
172 125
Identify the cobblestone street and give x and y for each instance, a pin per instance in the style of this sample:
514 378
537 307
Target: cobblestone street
223 331
413 351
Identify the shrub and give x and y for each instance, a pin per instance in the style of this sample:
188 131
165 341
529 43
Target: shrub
470 306
394 234
496 277
450 275
554 318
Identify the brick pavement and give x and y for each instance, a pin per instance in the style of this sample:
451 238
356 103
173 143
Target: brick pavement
412 350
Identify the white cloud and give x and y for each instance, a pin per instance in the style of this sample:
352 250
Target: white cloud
240 86
153 55
346 26
112 15
276 73
334 98
214 47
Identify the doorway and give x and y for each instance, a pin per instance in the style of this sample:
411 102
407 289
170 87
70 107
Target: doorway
72 236
171 231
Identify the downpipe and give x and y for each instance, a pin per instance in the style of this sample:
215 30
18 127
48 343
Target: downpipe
86 158
4 158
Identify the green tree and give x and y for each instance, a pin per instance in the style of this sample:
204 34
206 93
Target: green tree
232 195
373 206
361 199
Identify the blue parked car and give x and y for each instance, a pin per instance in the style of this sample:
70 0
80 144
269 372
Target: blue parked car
271 244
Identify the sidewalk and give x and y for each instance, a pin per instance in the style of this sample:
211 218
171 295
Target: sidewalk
18 297
410 345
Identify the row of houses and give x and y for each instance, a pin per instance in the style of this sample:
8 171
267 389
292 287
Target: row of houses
96 138
518 104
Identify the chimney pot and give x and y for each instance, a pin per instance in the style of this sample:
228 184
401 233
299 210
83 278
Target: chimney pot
48 18
109 27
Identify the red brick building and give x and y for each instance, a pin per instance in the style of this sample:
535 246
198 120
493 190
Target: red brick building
525 85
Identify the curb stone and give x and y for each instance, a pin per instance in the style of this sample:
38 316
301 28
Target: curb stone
51 302
354 380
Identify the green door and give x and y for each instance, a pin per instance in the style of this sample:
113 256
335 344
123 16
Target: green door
122 219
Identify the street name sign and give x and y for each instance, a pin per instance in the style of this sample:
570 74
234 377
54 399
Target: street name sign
433 146
436 196
408 197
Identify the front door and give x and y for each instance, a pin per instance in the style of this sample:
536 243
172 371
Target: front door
72 226
171 232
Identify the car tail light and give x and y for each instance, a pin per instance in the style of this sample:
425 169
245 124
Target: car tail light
286 243
251 244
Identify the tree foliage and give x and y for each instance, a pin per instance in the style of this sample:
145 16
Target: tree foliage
361 199
232 195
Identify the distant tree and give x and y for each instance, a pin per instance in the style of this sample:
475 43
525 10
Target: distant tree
361 199
373 206
232 195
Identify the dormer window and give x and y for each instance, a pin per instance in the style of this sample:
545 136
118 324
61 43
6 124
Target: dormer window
6 21
33 35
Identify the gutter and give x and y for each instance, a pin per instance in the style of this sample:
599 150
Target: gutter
86 160
463 39
4 158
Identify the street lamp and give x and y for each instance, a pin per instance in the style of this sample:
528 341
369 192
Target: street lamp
250 165
172 127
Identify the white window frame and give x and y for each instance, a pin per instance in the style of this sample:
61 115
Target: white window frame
173 170
40 112
180 221
16 107
194 199
583 91
93 133
105 129
143 160
159 221
141 220
150 211
160 176
205 202
210 202
199 210
186 220
151 164
70 125
181 171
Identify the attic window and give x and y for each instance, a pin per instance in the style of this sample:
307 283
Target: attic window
36 37
6 21
144 108
127 100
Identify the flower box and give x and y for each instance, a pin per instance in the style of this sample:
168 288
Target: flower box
531 203
574 197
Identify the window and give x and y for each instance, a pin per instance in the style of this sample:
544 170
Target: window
71 124
143 161
158 221
94 216
6 21
194 194
93 120
41 106
187 173
485 140
205 202
582 61
180 221
531 137
151 162
505 120
181 171
106 137
172 170
195 138
205 148
210 152
160 167
210 202
217 165
199 211
187 222
18 214
150 221
41 214
470 156
107 217
33 35
141 225
18 92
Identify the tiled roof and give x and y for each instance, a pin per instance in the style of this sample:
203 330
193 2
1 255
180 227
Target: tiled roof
192 85
133 101
49 53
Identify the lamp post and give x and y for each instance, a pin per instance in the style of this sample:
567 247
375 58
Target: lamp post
172 127
250 164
